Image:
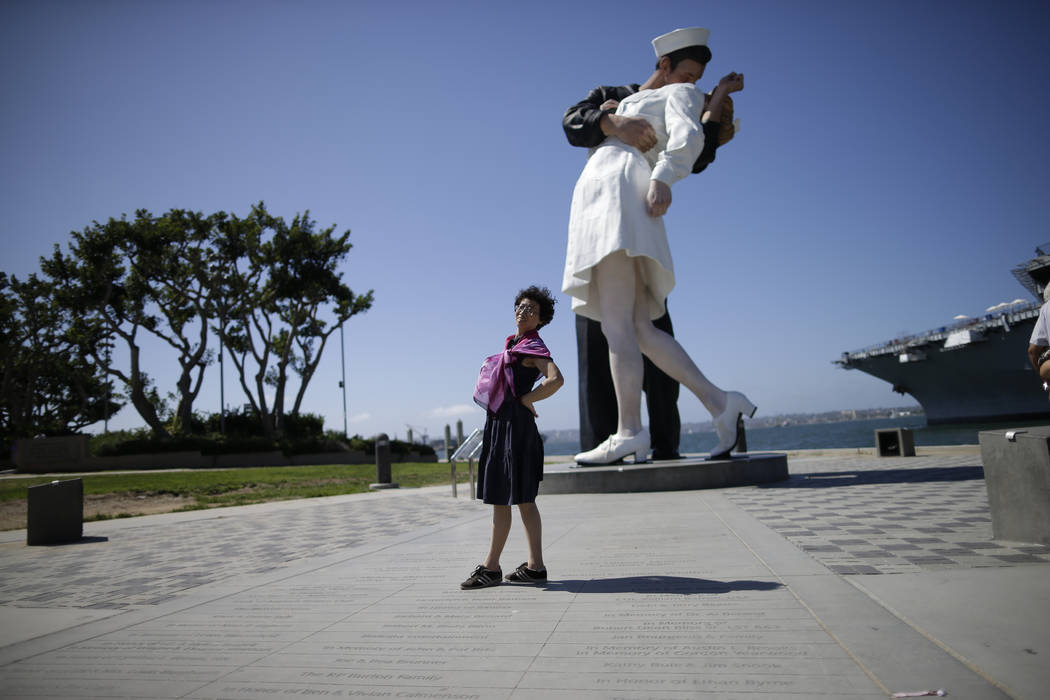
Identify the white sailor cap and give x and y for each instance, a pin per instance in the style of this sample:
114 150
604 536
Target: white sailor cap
679 39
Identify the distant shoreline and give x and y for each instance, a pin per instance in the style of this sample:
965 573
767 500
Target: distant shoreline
920 451
849 435
779 420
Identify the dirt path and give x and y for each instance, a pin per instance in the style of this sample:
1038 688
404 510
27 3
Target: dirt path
13 513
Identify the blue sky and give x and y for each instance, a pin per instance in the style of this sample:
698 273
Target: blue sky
890 169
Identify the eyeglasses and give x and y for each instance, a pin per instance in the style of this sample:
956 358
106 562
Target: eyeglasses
526 308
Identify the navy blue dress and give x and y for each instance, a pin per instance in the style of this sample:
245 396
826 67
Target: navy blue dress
510 466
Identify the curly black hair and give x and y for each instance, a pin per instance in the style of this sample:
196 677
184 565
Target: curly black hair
542 296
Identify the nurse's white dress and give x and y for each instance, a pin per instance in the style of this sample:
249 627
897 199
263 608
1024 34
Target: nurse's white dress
608 204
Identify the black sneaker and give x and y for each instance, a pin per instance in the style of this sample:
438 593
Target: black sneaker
482 578
523 574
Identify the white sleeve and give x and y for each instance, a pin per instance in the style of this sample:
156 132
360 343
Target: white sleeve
685 137
1041 334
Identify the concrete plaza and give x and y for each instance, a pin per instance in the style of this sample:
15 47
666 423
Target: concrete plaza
858 577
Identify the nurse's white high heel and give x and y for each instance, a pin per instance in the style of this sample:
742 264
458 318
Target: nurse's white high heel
615 448
725 424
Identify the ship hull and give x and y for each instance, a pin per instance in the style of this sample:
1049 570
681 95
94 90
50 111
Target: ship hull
990 379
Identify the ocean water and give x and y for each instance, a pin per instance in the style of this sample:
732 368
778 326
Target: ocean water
856 433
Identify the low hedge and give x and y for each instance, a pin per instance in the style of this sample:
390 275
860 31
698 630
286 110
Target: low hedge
397 447
122 443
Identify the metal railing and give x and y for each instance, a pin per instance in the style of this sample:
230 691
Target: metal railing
468 451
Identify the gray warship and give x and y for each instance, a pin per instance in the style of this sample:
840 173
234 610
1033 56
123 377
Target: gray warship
975 370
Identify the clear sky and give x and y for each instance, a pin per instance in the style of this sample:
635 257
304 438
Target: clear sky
890 169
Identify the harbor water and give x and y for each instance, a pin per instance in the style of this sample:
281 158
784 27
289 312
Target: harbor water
815 436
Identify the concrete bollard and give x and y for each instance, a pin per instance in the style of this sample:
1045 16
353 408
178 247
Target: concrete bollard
1017 476
55 512
383 463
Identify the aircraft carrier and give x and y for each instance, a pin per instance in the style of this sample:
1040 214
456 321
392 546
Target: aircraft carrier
975 370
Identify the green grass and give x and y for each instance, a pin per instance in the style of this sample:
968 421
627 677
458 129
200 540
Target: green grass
231 487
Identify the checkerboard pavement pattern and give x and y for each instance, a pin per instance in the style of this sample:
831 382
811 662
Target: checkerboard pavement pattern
147 565
872 515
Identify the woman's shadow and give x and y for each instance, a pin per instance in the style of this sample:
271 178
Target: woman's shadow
675 585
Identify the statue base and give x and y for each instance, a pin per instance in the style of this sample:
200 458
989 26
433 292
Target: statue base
686 474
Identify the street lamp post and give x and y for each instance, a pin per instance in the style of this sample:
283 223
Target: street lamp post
109 363
342 384
222 383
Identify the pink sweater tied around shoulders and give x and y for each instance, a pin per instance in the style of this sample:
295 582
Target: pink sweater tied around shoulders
496 379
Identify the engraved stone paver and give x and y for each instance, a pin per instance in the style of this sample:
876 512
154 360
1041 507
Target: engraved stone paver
657 595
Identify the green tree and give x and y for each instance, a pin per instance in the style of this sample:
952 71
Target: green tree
49 385
270 289
170 255
145 275
274 284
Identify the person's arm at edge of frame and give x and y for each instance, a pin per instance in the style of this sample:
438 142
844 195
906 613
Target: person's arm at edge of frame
1034 351
551 383
1040 335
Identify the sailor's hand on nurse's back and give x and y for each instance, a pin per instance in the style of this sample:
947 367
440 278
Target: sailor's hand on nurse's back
659 198
634 131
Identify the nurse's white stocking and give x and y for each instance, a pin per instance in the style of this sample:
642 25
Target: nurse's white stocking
615 282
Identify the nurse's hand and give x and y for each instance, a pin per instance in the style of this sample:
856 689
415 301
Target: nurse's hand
659 198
